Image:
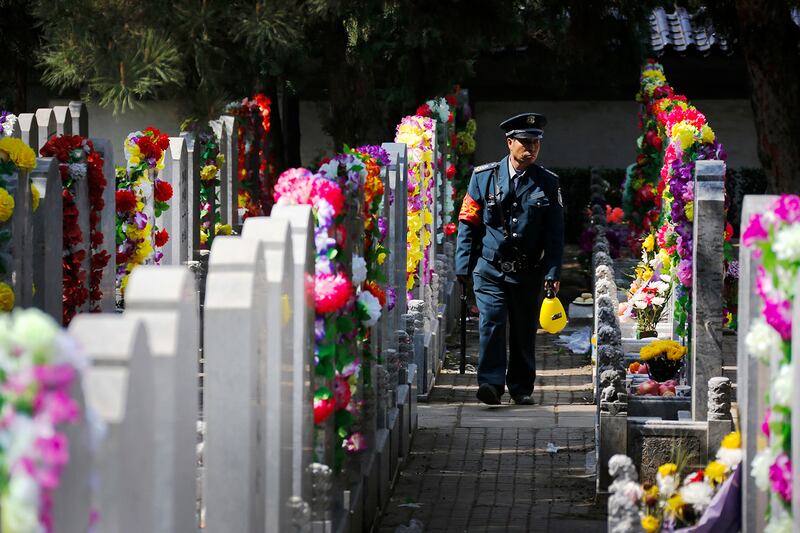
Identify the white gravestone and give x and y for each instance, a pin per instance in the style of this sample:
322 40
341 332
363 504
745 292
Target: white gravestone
29 130
398 227
119 388
233 347
80 118
48 241
175 220
46 125
232 164
63 120
193 194
108 223
302 224
276 237
165 300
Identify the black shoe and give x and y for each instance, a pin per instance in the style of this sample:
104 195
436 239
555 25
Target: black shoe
523 399
488 394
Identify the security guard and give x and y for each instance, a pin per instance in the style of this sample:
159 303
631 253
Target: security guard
511 238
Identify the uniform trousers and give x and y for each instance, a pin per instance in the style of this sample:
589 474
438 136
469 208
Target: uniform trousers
515 305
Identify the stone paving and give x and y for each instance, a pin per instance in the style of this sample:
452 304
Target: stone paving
506 468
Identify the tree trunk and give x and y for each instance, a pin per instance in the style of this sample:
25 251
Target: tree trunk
769 40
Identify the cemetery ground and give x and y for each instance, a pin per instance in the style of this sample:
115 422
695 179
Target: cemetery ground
507 468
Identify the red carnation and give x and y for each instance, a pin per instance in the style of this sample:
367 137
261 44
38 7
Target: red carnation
449 229
451 100
163 142
451 118
424 110
161 237
126 201
163 191
451 171
122 258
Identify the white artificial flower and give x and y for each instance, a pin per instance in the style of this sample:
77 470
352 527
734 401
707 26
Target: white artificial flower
759 467
697 494
7 128
372 306
782 524
762 340
359 270
21 505
782 386
658 300
143 188
667 485
35 332
662 286
666 278
639 304
22 432
787 243
78 170
331 168
729 456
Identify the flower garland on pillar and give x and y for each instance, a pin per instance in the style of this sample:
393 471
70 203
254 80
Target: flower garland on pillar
774 236
417 132
254 166
211 161
141 198
40 365
15 155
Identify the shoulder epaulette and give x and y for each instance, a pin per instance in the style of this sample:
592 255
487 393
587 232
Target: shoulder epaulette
549 172
487 166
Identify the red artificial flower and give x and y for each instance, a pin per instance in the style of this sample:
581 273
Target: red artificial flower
449 229
373 287
323 409
615 215
126 201
122 258
163 191
161 237
424 110
451 100
451 171
451 118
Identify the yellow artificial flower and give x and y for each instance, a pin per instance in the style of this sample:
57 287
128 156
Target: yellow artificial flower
650 524
428 217
654 74
646 353
689 210
220 159
652 491
133 148
667 469
732 440
20 153
715 471
35 197
124 283
222 229
409 283
134 160
665 261
707 134
649 243
6 205
203 237
426 238
414 224
208 173
684 133
6 297
675 504
381 258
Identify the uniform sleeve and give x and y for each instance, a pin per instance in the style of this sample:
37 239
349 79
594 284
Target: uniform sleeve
554 242
470 229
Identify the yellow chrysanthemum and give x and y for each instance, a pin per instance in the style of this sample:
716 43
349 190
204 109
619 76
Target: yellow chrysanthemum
674 505
6 297
707 134
220 159
650 523
410 283
715 471
732 440
667 469
6 205
428 216
684 133
35 197
134 160
381 258
649 243
208 173
222 229
654 75
652 491
203 237
689 210
20 153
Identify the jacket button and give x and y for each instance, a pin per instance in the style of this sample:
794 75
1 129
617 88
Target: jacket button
514 220
515 235
514 204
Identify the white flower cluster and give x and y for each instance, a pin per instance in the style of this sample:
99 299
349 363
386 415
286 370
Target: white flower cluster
359 270
787 243
762 340
439 107
7 126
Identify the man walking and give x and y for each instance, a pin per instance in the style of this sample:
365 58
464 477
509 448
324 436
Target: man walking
511 238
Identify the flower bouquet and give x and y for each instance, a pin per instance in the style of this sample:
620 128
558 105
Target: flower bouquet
663 358
650 289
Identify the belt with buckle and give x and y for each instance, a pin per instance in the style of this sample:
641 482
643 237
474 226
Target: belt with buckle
518 265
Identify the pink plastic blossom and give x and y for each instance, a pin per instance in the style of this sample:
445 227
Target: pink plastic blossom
331 293
780 476
330 191
787 208
355 443
778 314
754 232
765 424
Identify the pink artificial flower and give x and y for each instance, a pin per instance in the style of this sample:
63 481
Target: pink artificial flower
294 186
54 376
355 443
780 476
57 405
778 314
787 208
685 272
53 450
341 392
755 231
330 191
765 423
331 292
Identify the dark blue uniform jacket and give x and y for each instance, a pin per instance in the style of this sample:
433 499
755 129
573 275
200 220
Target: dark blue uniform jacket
534 214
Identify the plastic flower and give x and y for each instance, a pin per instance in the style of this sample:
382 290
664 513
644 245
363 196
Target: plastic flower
754 232
371 306
649 243
331 292
684 134
787 243
760 466
162 191
35 197
787 208
6 297
698 495
762 340
208 172
707 134
355 443
222 229
780 476
161 237
6 205
18 152
782 386
359 270
674 505
715 471
650 523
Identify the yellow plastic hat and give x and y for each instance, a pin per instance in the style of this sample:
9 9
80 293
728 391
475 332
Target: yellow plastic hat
552 317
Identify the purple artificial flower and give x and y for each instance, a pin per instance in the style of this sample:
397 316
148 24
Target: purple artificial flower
382 227
787 208
733 269
319 329
754 232
157 257
780 476
391 298
355 443
685 272
376 152
765 423
323 265
140 219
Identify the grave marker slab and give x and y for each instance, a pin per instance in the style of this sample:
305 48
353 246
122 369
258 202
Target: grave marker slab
29 130
176 219
193 194
46 125
165 300
108 222
63 120
19 186
224 189
80 118
232 163
48 241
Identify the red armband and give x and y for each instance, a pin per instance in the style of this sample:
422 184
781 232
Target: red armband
470 211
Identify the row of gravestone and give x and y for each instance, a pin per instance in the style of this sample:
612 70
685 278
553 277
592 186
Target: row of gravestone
648 428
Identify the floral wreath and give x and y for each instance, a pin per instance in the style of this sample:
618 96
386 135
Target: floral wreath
211 161
254 126
140 200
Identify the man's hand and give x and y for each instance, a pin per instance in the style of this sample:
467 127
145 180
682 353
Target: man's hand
554 283
462 279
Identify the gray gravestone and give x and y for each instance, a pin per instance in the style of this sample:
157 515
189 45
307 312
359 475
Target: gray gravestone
175 220
81 195
165 300
29 130
19 186
752 376
302 223
232 165
118 387
275 236
80 118
63 120
48 244
235 327
224 189
398 226
193 194
108 222
708 231
46 125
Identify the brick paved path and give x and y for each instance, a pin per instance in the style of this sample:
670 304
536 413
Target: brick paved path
475 468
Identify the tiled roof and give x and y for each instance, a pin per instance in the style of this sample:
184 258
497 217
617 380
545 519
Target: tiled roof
680 30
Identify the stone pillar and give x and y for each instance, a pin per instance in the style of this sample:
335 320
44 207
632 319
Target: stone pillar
193 194
29 130
108 220
231 126
46 125
21 281
708 233
234 331
397 191
276 238
224 189
48 243
119 388
302 226
164 299
752 376
79 117
176 219
720 421
63 120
